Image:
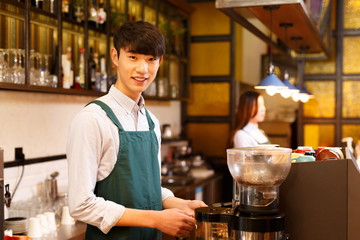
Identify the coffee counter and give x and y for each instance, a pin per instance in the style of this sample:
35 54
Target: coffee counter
71 232
209 187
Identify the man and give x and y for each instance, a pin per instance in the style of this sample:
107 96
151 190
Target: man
113 151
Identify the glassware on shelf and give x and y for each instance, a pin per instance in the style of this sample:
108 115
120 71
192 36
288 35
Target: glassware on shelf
3 65
21 66
34 62
11 74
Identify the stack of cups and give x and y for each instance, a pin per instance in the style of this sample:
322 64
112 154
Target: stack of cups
34 230
51 221
66 219
43 224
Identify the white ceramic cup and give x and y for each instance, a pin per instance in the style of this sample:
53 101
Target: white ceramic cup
51 221
34 230
66 219
43 223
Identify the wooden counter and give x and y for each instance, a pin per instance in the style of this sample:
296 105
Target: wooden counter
71 232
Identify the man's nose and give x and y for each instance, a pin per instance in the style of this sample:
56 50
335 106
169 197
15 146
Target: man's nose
142 66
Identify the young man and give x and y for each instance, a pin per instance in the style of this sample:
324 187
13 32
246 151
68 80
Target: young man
113 152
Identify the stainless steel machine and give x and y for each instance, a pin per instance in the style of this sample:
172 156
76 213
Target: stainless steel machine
254 212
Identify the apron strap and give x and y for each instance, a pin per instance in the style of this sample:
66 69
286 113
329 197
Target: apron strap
109 112
150 121
112 116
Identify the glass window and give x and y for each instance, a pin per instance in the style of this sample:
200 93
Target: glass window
351 99
323 105
351 56
210 59
209 99
351 14
353 131
206 15
316 135
322 67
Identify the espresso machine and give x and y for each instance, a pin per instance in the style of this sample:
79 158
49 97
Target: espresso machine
254 212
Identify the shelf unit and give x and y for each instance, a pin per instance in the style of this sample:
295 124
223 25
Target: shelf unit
34 29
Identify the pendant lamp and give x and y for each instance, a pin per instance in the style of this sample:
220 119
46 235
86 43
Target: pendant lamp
305 95
291 88
285 93
271 83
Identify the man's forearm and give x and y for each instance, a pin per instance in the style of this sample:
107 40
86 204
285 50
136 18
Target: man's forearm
138 218
174 202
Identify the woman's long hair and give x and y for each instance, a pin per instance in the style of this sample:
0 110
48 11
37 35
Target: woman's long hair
247 109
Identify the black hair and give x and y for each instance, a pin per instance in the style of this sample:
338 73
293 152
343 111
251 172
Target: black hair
140 37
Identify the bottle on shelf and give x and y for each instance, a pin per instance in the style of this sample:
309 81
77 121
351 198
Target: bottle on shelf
52 6
67 66
92 11
92 70
101 14
39 4
80 79
66 8
102 80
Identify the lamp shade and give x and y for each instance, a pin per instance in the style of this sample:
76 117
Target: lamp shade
290 91
272 84
271 80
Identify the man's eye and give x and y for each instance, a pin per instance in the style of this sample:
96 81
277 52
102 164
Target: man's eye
152 59
132 57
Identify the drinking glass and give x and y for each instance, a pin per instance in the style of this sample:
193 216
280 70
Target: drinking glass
3 65
21 66
10 76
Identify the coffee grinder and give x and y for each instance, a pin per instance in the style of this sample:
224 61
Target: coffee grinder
254 212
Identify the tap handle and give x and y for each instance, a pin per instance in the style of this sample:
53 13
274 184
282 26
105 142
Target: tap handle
7 196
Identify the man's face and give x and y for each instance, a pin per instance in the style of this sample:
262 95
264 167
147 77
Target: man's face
135 71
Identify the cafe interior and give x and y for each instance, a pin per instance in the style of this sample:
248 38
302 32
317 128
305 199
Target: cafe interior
301 55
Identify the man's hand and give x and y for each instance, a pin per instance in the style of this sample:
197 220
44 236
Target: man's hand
189 206
174 222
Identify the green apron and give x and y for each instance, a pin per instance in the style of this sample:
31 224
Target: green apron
134 181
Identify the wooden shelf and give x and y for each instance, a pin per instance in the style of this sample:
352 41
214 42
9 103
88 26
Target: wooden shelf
290 11
41 89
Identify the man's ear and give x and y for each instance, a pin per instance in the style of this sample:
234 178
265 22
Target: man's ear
114 56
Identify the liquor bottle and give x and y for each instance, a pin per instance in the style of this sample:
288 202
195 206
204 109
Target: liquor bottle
80 79
103 81
67 66
68 50
65 7
92 72
39 4
92 10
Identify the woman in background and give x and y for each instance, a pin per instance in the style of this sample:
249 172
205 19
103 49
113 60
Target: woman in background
250 112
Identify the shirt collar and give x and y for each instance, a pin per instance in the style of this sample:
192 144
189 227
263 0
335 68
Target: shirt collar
127 103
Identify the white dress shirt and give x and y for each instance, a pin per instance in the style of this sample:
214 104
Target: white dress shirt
249 136
92 149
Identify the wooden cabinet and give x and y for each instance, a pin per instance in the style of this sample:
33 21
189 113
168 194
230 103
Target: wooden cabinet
52 45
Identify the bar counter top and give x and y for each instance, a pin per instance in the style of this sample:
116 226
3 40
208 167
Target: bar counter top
77 231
